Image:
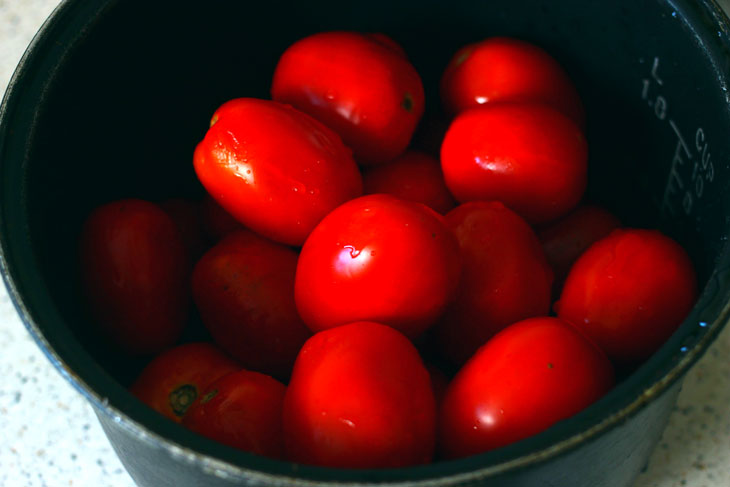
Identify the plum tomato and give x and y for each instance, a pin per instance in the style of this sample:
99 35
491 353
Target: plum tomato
186 216
359 397
566 239
531 375
275 169
242 410
217 222
414 176
504 69
377 258
244 290
505 277
135 271
359 85
629 292
526 155
175 378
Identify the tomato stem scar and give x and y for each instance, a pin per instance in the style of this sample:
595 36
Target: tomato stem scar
209 396
182 397
462 57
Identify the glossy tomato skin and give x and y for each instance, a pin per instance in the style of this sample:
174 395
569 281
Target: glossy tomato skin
377 258
505 277
566 239
529 156
217 222
502 69
531 375
172 382
359 85
359 397
414 176
275 169
135 271
629 292
242 410
244 290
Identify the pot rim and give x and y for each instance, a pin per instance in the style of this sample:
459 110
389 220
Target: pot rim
654 377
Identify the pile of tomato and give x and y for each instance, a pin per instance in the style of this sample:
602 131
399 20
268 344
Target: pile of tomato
371 305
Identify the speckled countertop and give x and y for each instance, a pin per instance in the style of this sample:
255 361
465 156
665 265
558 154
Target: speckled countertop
52 438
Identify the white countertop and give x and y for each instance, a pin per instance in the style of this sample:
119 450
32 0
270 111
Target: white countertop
52 438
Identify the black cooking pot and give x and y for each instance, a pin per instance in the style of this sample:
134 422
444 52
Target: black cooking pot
112 96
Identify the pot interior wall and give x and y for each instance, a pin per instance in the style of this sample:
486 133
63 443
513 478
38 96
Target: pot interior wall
122 116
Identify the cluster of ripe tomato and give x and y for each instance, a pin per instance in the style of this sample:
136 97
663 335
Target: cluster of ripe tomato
349 298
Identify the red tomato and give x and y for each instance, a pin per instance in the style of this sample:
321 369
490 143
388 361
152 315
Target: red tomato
242 410
275 169
217 222
565 240
244 289
529 156
359 397
529 376
186 216
414 176
360 86
174 379
506 277
135 269
629 292
504 69
377 257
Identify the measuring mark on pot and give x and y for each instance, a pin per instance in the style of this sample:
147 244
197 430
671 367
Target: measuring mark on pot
691 168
